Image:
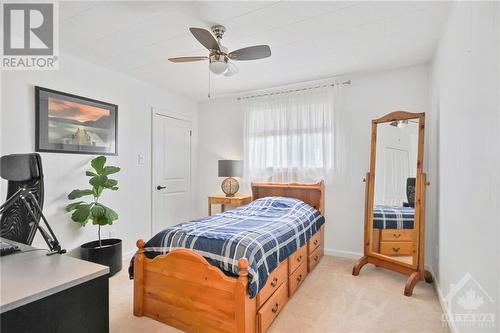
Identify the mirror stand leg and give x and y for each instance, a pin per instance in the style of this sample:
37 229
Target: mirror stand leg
411 282
359 264
428 277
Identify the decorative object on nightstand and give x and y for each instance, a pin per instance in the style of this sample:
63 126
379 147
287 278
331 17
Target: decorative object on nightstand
222 200
230 169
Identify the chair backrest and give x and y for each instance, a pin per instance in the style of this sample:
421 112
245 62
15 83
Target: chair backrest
410 191
21 170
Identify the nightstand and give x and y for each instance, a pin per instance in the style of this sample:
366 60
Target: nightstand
222 200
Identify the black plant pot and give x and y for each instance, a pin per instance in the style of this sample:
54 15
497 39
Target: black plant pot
110 254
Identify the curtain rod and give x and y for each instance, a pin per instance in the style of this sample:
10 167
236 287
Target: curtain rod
295 90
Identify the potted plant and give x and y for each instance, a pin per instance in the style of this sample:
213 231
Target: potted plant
102 251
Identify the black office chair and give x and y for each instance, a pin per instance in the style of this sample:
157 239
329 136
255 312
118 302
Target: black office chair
410 192
17 223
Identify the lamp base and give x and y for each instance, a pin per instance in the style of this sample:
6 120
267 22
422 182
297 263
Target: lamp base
230 186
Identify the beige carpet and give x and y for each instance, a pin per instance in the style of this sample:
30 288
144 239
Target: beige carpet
330 300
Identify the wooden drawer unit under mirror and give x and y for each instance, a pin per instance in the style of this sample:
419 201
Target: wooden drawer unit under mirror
396 249
395 198
397 235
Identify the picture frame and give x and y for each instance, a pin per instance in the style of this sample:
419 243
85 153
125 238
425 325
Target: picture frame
72 124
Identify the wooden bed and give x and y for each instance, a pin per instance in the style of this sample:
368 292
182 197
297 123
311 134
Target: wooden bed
183 290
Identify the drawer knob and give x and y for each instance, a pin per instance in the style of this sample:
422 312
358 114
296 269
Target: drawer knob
299 278
396 235
275 308
299 258
274 282
316 257
315 242
395 249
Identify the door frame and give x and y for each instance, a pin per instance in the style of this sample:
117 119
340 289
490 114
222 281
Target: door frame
178 116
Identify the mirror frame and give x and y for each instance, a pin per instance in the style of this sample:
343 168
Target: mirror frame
416 270
396 116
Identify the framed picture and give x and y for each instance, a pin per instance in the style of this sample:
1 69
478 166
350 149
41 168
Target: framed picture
68 123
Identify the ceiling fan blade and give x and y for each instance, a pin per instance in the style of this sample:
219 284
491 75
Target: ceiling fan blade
251 53
205 38
187 59
231 69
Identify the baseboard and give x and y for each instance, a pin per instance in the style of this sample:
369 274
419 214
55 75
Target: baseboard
342 253
442 302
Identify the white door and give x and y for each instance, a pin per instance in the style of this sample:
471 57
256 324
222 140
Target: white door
171 171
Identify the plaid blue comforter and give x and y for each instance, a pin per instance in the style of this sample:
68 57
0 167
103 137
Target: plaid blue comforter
266 232
393 217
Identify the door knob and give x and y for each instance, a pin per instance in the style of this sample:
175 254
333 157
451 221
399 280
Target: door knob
159 187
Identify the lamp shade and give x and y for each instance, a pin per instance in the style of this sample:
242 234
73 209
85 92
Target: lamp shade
230 168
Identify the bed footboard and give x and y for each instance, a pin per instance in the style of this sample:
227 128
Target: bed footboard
183 290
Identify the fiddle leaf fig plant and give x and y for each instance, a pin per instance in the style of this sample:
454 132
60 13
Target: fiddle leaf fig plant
84 211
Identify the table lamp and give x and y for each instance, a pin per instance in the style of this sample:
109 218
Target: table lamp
230 169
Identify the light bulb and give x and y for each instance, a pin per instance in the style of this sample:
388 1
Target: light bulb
402 124
218 67
218 64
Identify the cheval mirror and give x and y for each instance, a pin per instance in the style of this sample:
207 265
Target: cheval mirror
395 198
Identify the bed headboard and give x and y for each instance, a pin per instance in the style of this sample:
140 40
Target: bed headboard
312 194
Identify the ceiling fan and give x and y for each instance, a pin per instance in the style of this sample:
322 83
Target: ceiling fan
219 60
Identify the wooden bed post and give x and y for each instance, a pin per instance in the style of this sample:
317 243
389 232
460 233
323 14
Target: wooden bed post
241 304
139 279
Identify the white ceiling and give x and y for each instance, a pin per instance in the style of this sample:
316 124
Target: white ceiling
309 40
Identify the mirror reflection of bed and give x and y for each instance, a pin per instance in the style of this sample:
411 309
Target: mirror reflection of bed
393 232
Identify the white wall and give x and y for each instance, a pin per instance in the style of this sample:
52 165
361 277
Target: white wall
220 138
466 94
64 172
370 96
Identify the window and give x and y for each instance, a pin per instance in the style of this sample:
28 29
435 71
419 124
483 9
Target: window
289 137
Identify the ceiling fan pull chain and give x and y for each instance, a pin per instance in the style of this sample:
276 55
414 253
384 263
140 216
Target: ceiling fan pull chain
209 84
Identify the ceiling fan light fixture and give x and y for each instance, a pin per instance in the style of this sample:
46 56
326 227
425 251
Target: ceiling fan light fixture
399 123
220 60
403 123
218 64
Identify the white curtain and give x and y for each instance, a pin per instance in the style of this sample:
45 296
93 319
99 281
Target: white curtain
289 137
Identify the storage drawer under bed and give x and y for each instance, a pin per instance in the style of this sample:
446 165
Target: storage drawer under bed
270 310
274 281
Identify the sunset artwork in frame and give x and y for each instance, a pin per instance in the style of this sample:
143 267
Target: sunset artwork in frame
67 123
